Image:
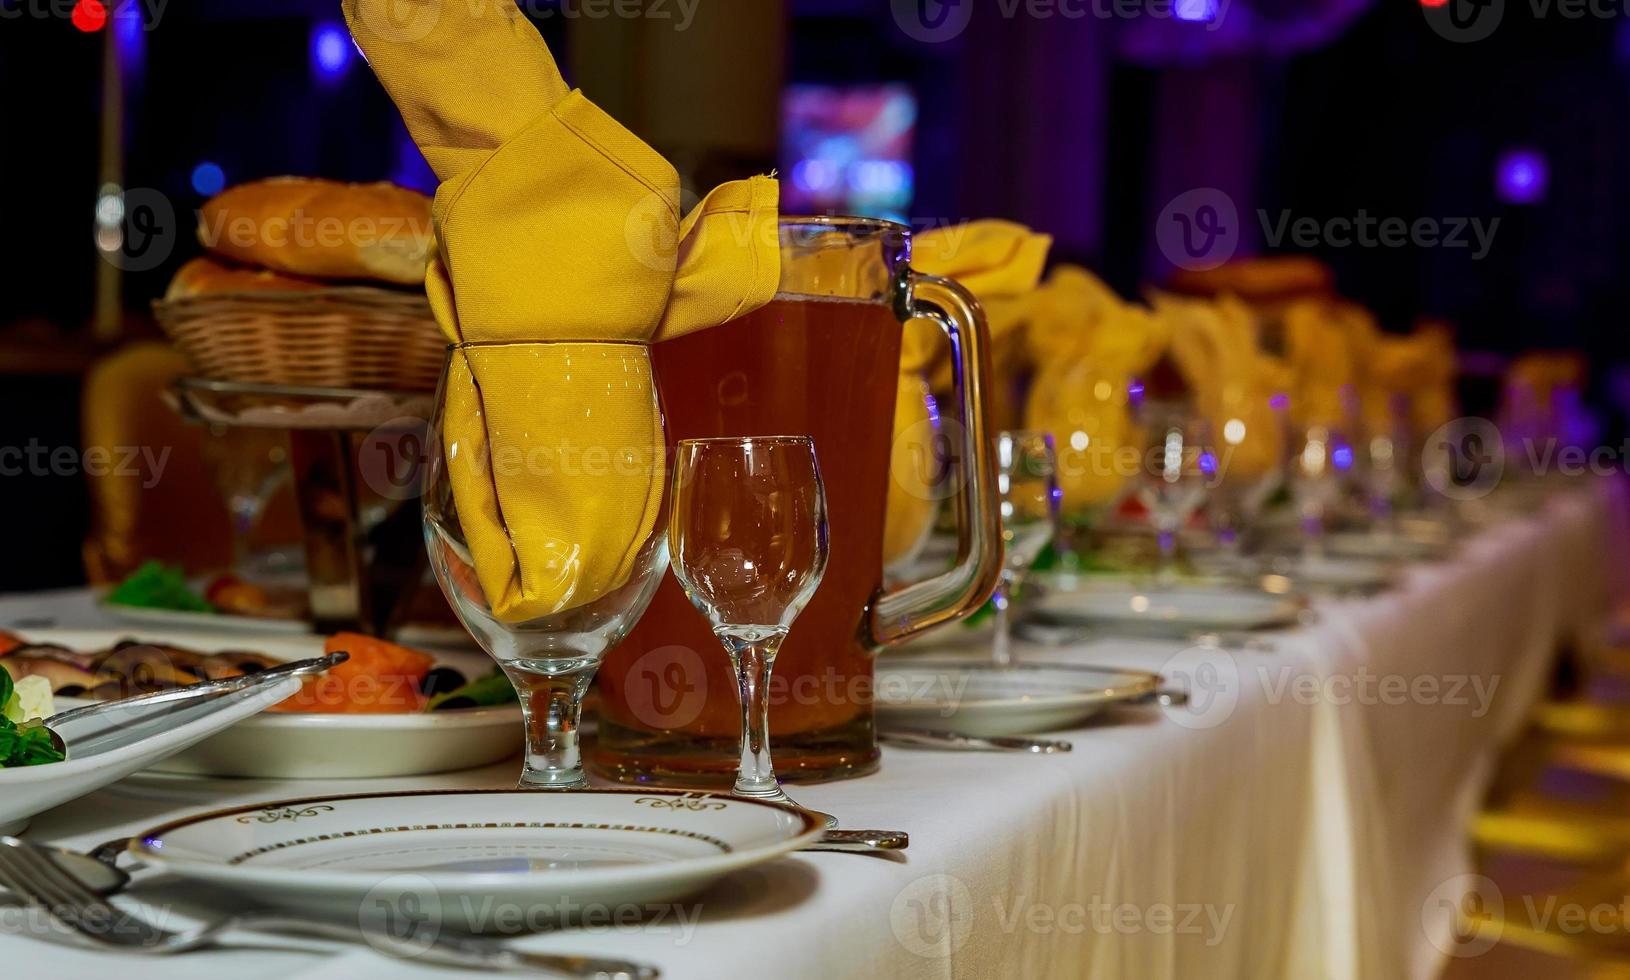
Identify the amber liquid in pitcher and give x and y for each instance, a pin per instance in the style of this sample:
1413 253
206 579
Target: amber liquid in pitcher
668 707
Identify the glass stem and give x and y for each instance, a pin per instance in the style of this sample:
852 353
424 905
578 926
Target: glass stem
1001 600
752 653
1166 564
552 705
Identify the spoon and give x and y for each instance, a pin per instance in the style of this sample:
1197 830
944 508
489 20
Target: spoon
853 841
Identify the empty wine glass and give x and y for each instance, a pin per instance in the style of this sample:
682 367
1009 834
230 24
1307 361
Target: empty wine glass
1027 479
748 537
551 655
1180 463
1318 483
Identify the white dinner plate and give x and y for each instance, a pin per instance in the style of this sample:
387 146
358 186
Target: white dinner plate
479 860
106 748
326 746
1337 572
1383 547
1170 610
991 701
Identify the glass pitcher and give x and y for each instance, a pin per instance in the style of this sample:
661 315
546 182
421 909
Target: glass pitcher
822 360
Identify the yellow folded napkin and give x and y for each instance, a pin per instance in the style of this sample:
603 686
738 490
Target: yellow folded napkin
1414 372
1000 263
560 240
1088 345
1216 346
1318 347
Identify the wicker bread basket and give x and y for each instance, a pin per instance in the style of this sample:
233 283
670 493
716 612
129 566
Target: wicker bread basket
351 337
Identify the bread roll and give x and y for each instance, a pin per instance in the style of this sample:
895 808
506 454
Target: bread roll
322 229
1265 280
207 276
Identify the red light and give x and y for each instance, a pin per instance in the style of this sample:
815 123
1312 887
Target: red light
1433 3
90 16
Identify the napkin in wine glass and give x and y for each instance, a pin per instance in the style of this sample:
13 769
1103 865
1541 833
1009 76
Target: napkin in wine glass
559 232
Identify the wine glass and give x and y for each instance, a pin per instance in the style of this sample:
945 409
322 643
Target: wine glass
1251 470
552 655
1027 480
249 466
749 543
1318 483
1180 463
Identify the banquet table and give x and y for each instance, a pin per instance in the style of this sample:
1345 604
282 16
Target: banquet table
1303 816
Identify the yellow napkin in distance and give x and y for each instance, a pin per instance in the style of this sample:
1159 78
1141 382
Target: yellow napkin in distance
1000 262
559 239
1216 346
1088 344
1319 349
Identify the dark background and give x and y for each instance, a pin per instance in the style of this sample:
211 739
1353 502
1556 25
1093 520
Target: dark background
1059 123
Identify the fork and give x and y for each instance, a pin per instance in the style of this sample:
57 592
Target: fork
27 872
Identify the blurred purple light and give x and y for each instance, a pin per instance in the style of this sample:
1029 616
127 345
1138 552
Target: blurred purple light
1279 402
1522 176
815 176
1196 11
1208 464
1342 457
1134 393
331 52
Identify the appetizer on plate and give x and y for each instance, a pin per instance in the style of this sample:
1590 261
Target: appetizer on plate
24 706
379 677
391 710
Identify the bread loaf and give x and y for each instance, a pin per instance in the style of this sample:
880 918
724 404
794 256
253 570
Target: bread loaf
322 229
206 277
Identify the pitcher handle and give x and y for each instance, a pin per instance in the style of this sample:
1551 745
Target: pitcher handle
955 594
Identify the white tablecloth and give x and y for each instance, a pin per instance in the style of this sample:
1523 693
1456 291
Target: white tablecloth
1294 821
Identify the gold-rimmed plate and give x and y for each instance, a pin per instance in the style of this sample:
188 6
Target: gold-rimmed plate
479 860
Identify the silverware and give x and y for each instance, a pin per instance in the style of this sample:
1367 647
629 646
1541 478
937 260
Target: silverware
1167 697
203 691
862 841
954 741
29 871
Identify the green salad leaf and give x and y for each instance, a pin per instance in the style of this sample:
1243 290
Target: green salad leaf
156 585
27 744
485 692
